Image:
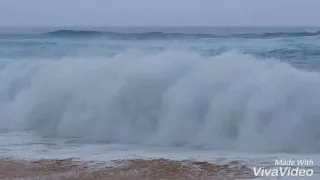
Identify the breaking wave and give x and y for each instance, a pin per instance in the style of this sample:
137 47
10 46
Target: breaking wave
162 35
178 35
231 101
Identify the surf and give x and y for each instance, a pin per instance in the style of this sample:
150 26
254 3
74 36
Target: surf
70 33
230 101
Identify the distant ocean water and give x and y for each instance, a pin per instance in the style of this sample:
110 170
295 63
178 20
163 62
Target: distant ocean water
299 46
205 90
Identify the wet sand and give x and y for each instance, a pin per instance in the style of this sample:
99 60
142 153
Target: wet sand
138 169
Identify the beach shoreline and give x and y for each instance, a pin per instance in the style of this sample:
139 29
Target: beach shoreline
135 169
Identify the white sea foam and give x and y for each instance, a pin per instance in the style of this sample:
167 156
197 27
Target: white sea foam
232 101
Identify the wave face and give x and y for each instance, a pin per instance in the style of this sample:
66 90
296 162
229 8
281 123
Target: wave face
281 34
73 33
146 35
162 35
178 35
231 101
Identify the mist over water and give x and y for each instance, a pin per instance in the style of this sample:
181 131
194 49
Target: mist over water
230 101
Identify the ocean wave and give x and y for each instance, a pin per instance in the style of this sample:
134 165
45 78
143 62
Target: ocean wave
162 35
231 101
73 33
283 34
125 35
179 35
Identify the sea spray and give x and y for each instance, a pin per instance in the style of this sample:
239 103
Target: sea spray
232 101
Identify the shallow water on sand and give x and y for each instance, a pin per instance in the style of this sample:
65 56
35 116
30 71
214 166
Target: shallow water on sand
29 146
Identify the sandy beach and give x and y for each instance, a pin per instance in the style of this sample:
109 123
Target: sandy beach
138 169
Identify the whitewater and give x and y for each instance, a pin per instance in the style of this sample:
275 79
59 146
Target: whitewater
250 98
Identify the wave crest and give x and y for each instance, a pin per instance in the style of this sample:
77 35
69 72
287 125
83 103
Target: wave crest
177 35
73 33
231 101
125 35
162 35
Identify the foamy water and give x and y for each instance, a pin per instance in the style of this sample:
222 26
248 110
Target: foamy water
232 101
159 99
29 146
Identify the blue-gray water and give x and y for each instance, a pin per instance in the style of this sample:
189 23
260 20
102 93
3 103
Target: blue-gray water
246 89
245 94
298 46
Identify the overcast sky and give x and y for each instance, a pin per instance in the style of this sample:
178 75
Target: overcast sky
159 12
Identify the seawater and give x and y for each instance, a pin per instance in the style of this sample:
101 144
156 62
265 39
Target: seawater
205 90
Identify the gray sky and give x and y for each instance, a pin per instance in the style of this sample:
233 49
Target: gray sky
159 12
